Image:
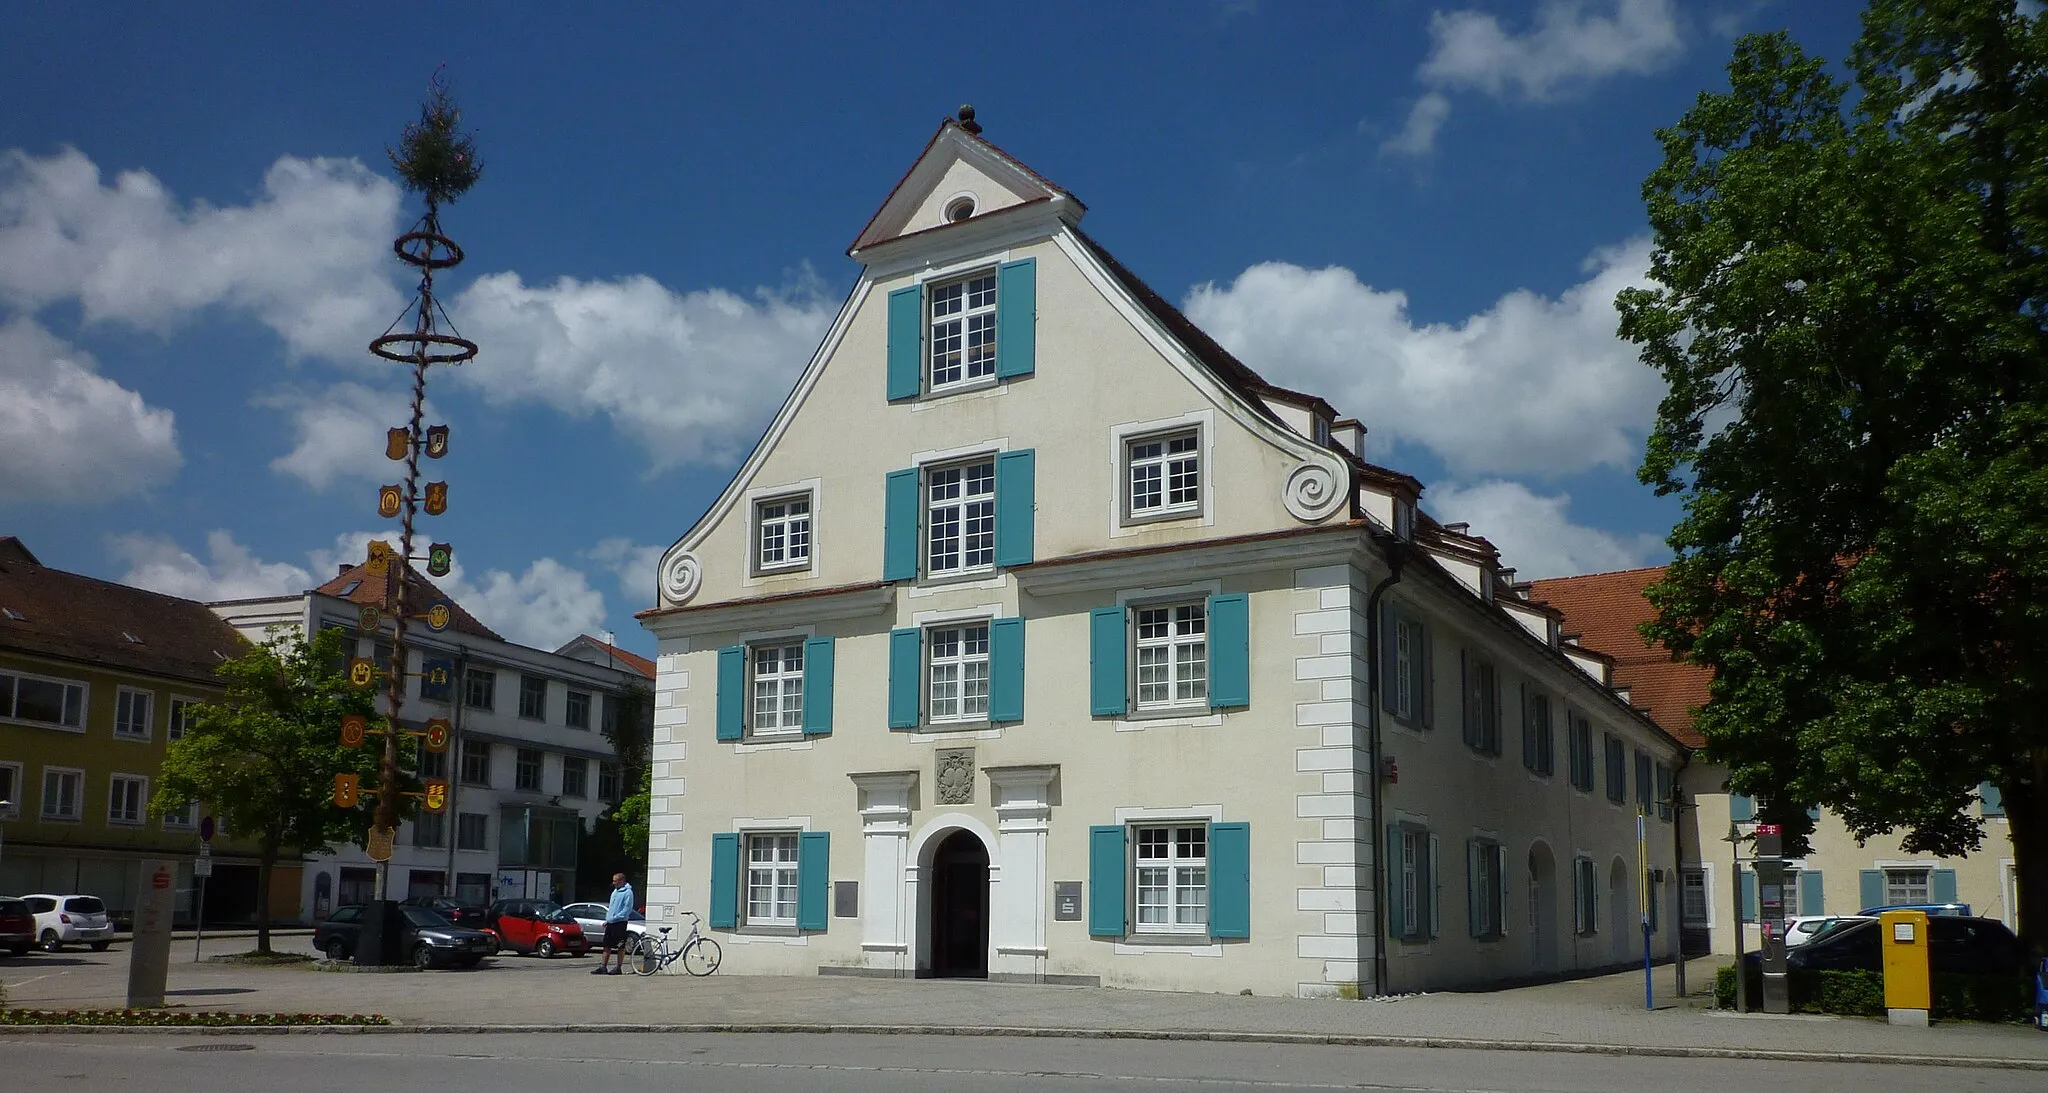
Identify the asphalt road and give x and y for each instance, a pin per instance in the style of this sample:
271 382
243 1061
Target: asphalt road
801 1063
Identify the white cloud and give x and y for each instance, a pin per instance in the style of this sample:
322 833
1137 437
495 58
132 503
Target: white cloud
341 432
69 434
1573 44
544 606
692 377
309 256
1530 386
1418 136
1535 533
229 572
634 564
1569 47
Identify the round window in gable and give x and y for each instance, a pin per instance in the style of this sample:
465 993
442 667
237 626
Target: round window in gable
958 209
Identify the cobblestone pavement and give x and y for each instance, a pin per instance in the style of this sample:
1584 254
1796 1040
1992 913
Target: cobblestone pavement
512 990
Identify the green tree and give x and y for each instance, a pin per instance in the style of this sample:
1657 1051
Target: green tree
263 758
617 842
1848 309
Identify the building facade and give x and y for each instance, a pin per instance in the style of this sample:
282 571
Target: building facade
1041 638
96 679
1838 875
529 766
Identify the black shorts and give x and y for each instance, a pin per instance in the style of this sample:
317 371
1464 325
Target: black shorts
614 934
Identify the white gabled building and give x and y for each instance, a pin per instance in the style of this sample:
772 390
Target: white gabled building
529 768
1033 641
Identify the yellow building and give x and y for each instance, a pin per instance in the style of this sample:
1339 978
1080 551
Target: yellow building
95 680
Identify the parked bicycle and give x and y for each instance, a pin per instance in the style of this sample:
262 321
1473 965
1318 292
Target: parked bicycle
698 954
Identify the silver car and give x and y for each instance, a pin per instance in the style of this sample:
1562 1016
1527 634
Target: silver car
70 920
590 916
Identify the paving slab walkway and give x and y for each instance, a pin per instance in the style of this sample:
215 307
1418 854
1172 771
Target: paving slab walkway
1603 1013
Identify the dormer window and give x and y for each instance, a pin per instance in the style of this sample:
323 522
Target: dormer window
963 331
960 208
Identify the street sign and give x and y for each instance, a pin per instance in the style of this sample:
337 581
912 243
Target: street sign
397 442
437 498
437 795
378 561
437 734
389 498
437 615
362 671
440 556
378 849
437 441
353 727
205 833
202 867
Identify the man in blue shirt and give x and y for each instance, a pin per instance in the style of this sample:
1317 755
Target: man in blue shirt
615 935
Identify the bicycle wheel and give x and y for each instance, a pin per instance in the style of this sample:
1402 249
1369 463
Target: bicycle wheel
646 956
701 958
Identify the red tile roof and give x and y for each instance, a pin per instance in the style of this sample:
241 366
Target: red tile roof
68 616
626 659
1605 609
357 584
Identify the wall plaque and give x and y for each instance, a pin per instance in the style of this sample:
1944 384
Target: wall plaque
1066 901
955 776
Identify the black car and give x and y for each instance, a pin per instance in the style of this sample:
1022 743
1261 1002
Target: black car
430 940
1968 946
450 908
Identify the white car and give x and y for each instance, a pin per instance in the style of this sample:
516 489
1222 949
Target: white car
70 920
1800 930
590 916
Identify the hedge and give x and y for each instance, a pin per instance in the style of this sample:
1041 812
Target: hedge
1998 998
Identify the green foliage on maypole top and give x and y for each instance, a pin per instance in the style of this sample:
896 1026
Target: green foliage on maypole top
1849 308
434 158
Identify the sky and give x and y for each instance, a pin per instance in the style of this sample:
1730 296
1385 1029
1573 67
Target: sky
1421 211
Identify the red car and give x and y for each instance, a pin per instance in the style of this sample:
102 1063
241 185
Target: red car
17 925
536 926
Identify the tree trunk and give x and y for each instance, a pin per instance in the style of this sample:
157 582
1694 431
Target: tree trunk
263 870
2026 816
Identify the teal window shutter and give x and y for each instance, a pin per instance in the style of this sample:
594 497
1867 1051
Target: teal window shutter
1473 915
1749 895
906 677
1813 897
1106 860
813 878
906 342
1016 507
1397 925
1528 731
1993 801
1230 880
732 692
1435 891
1016 318
1006 670
899 526
1741 807
1230 651
1390 658
1108 663
818 687
1945 886
1425 666
1870 887
725 881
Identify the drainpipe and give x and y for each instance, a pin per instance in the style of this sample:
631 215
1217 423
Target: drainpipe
1397 555
458 693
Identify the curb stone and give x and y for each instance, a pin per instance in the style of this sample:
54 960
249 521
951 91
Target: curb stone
1305 1038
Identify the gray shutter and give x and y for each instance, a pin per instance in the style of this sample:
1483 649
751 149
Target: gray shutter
1870 888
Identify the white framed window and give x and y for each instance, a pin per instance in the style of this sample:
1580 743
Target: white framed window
10 790
1411 662
1172 875
1908 885
430 829
1585 897
1482 704
963 331
53 703
1415 889
778 688
1489 865
576 713
1695 897
527 767
1163 474
960 517
782 533
131 713
957 669
575 776
472 831
771 879
1171 644
184 819
63 793
180 717
607 781
127 799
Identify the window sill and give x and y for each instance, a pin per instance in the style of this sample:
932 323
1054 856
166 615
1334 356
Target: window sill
79 729
980 384
941 727
792 570
1168 516
768 931
48 819
133 738
958 576
1167 937
1161 713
